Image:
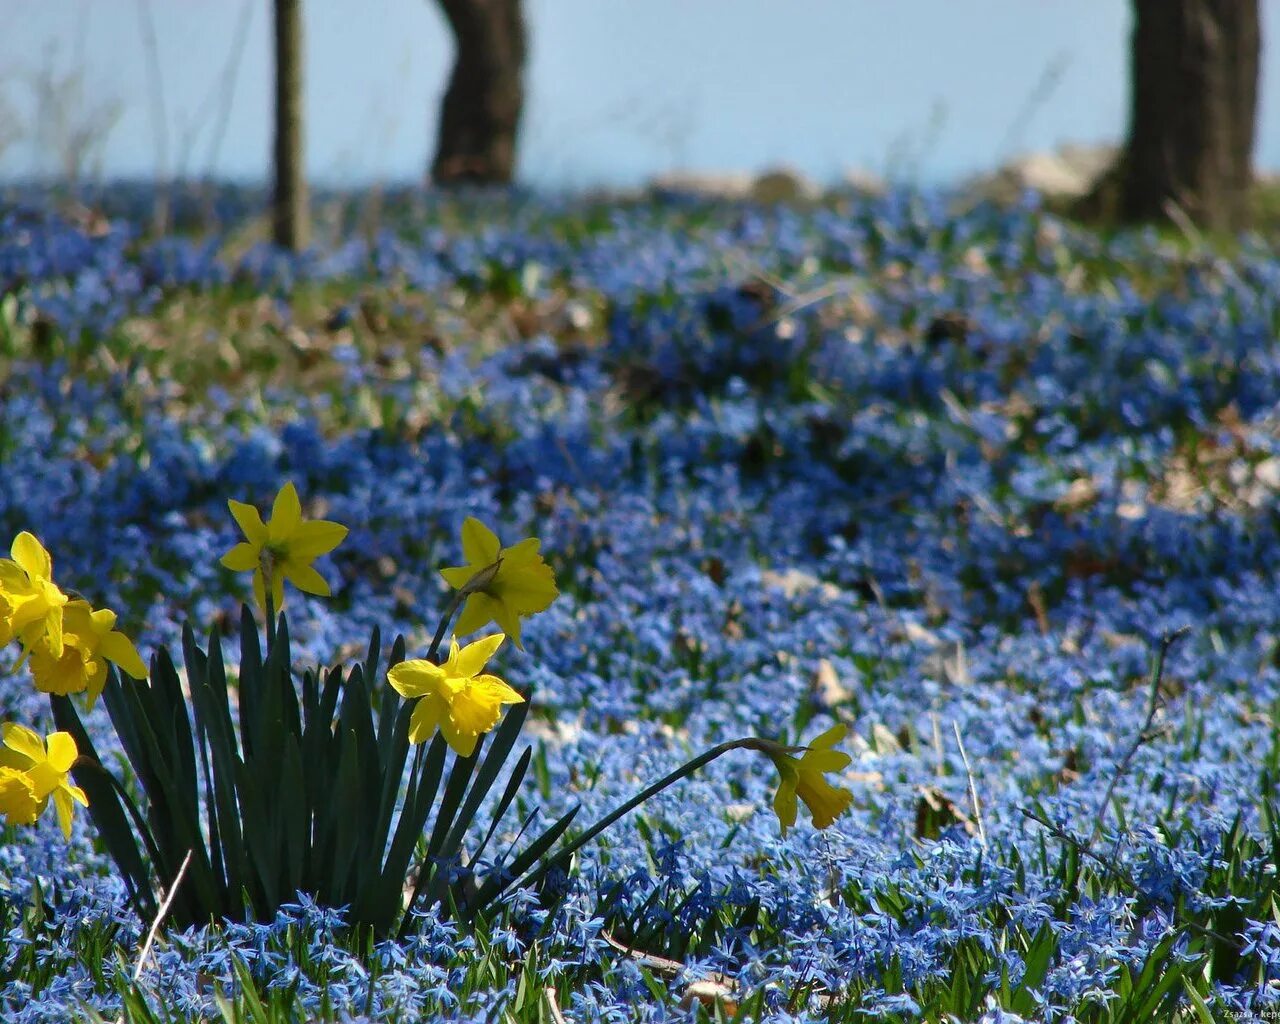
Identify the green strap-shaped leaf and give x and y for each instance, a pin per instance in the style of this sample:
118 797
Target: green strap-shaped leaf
106 811
504 738
501 880
250 677
424 783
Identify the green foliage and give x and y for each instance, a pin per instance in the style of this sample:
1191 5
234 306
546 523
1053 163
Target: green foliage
277 791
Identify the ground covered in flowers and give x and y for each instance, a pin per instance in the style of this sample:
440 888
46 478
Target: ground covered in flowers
947 476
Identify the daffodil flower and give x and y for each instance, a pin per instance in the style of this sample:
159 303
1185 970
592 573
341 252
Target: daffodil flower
47 766
501 584
454 697
18 801
89 642
803 777
32 602
282 548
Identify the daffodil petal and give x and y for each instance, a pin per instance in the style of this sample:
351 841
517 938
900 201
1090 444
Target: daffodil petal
259 589
62 803
472 658
831 737
415 678
23 741
315 538
497 689
118 648
785 804
508 621
30 554
286 514
305 578
241 558
426 718
53 631
819 760
521 554
460 575
478 611
480 545
249 521
62 751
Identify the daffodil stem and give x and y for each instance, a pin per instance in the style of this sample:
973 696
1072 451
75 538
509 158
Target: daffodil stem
683 772
271 624
445 619
268 593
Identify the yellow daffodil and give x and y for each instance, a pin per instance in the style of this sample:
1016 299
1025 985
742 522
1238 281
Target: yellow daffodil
47 766
18 801
803 777
501 584
32 601
283 548
454 697
89 642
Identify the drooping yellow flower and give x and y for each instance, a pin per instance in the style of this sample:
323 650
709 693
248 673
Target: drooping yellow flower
18 801
32 601
504 583
47 766
803 777
89 642
454 697
283 548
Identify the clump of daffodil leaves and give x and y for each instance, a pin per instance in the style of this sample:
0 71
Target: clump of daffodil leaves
252 786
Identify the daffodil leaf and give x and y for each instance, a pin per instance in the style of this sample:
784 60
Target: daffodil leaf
292 805
106 812
502 880
250 680
504 738
513 787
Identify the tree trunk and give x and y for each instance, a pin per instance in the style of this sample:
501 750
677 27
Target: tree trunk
1194 105
480 115
290 199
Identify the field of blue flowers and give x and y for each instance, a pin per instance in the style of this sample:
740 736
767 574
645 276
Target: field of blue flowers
954 478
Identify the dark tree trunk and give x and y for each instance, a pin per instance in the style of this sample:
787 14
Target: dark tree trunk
480 115
1193 110
289 210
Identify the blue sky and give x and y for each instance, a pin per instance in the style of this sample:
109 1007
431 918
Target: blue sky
619 89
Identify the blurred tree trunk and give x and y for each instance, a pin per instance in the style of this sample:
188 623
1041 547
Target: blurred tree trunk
480 115
1194 103
289 211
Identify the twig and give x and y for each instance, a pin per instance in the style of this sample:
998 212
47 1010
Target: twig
165 904
164 909
973 789
553 1005
1144 734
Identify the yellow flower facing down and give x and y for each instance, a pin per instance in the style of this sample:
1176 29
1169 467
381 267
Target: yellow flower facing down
89 642
46 765
803 778
455 697
504 583
32 603
282 548
18 801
